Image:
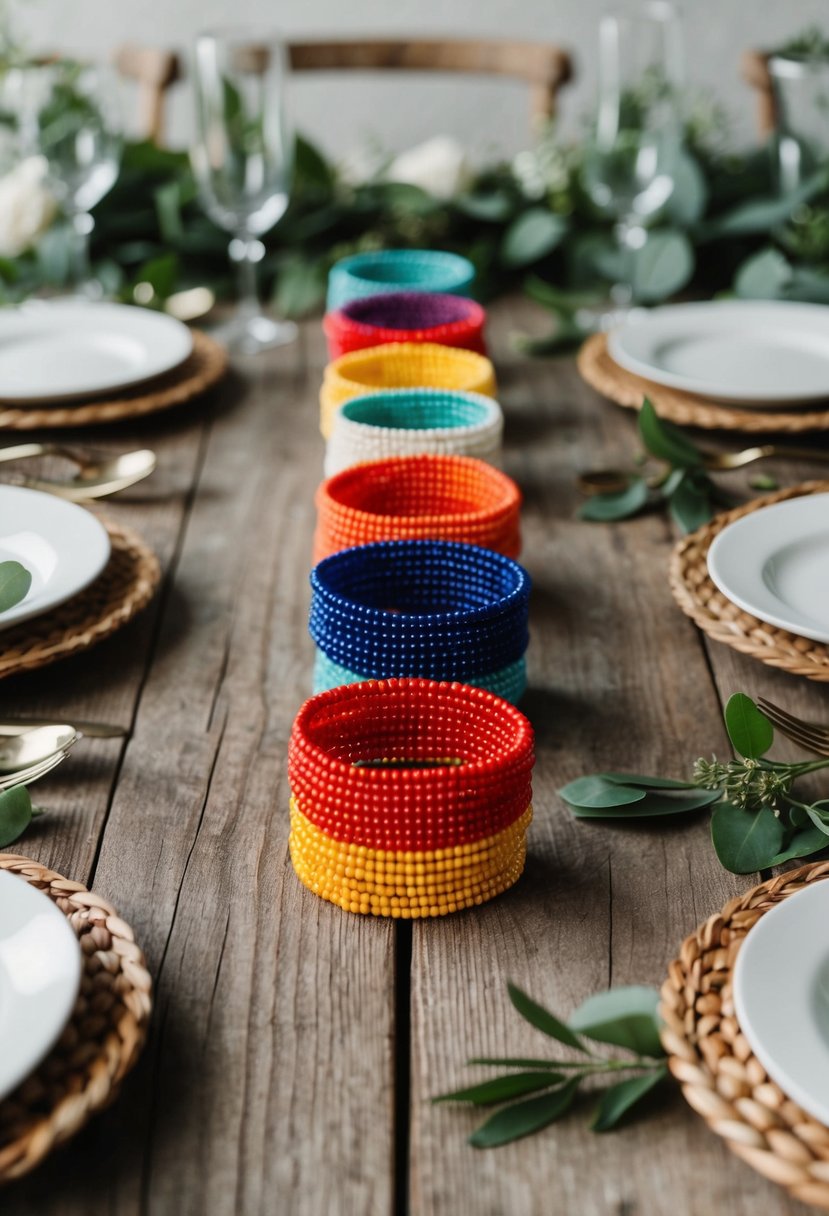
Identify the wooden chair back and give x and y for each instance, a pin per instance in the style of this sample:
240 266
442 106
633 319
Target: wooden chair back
153 70
544 66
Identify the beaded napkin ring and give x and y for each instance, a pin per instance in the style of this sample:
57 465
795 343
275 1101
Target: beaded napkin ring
391 270
405 316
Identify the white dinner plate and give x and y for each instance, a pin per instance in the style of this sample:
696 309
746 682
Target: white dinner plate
756 352
63 546
781 996
774 563
40 973
56 350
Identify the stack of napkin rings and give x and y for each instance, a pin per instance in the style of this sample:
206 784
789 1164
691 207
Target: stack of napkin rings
385 270
405 316
409 798
436 609
402 365
418 498
407 421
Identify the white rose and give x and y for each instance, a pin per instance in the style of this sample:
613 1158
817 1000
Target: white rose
439 166
26 206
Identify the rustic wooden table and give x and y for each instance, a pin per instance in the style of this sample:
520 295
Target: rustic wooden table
295 1047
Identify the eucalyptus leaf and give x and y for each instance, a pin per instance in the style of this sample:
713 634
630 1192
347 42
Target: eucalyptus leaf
650 783
750 731
689 197
820 819
15 814
523 1118
746 841
595 791
624 1017
543 1020
532 236
604 508
652 806
665 440
496 206
521 1062
758 216
15 581
764 276
663 265
690 504
501 1089
618 1099
803 844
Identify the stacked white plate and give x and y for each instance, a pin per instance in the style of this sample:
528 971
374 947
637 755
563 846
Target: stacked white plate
63 546
40 973
71 350
756 353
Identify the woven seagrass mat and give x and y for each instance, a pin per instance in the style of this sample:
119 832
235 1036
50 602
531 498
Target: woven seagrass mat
205 367
686 409
102 1040
708 1054
126 585
722 620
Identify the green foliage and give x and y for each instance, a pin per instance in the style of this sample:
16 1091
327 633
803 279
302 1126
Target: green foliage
15 814
756 820
15 581
622 1017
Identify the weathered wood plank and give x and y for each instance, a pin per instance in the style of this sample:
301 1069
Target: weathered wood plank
268 1082
618 679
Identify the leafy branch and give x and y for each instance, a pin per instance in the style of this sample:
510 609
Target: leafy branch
756 820
681 481
621 1017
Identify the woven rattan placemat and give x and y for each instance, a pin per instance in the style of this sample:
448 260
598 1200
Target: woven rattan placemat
708 1054
126 585
625 388
722 620
204 368
102 1040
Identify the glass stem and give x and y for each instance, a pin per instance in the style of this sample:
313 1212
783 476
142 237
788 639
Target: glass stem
246 252
80 270
622 292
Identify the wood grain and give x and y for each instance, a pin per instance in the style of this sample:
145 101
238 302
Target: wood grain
281 1033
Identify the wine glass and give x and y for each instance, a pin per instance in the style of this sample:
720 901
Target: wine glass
242 160
630 162
66 113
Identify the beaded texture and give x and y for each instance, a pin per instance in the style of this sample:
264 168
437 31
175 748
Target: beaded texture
402 365
435 609
409 421
393 270
418 498
410 765
405 316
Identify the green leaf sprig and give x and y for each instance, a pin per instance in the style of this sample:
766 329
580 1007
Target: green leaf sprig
681 482
15 581
757 821
621 1017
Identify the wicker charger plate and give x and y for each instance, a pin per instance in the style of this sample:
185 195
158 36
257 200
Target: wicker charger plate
204 368
126 585
686 409
721 1078
102 1040
722 620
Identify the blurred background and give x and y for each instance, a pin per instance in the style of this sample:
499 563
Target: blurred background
343 111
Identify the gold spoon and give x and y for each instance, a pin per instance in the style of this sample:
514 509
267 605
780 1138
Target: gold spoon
614 481
99 473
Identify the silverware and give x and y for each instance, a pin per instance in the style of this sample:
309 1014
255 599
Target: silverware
34 772
812 736
92 730
736 460
34 745
99 473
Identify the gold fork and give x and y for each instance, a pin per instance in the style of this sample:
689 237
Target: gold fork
736 460
812 736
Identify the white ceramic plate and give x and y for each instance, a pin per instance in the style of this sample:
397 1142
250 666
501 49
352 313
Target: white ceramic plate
774 563
56 350
63 546
40 973
755 352
781 996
